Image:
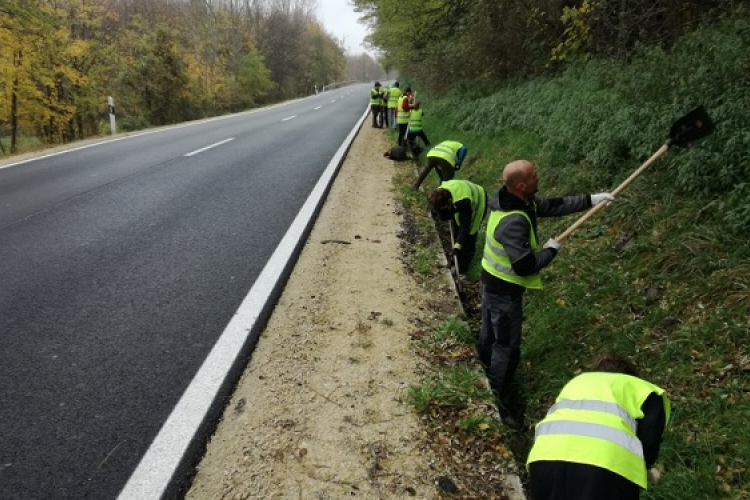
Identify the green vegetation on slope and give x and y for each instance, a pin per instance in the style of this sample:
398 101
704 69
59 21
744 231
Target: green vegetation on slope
662 275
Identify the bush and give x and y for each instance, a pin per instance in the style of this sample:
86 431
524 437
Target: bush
600 120
132 123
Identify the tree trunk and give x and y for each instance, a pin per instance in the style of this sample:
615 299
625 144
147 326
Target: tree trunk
13 116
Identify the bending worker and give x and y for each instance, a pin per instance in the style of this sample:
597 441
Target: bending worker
445 158
464 204
601 437
511 264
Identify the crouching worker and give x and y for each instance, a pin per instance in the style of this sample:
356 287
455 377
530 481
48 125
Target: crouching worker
464 204
446 158
601 437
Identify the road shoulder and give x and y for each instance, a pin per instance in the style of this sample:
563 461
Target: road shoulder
320 411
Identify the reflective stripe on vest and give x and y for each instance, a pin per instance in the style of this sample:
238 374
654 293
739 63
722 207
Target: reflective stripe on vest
495 259
402 116
462 190
572 428
446 150
415 120
594 422
601 406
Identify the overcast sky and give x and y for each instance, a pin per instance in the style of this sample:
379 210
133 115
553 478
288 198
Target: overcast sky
340 20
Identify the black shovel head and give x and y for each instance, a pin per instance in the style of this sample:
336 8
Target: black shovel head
691 128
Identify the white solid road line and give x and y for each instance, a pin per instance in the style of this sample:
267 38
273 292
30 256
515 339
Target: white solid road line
156 469
192 153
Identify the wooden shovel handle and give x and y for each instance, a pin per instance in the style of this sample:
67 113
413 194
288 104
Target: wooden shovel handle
617 191
455 258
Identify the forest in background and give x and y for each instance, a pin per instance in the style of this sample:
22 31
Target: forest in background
479 44
163 62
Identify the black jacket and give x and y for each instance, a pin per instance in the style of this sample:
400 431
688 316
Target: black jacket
514 230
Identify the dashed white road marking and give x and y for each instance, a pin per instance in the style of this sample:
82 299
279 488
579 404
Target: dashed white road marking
192 153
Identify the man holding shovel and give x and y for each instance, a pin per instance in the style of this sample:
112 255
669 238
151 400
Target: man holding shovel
511 263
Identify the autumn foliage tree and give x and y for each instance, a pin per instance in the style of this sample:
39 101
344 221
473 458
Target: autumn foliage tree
163 61
38 80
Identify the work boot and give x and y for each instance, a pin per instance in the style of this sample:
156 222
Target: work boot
511 422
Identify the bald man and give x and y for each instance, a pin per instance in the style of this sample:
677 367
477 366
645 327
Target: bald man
511 264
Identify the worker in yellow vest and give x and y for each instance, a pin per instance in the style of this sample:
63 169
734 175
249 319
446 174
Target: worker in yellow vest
403 109
601 438
394 93
464 204
415 131
376 105
446 158
511 263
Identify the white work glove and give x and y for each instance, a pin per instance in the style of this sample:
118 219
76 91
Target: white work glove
600 197
654 475
552 243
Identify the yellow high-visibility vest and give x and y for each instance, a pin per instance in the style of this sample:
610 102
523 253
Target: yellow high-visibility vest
415 120
495 259
402 116
593 421
462 190
447 150
393 95
375 97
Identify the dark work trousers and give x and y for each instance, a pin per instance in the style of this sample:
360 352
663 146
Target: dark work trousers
412 136
402 127
467 249
377 116
553 480
499 344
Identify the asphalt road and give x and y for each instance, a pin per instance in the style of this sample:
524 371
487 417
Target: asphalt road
122 264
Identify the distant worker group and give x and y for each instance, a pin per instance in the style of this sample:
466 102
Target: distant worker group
394 109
